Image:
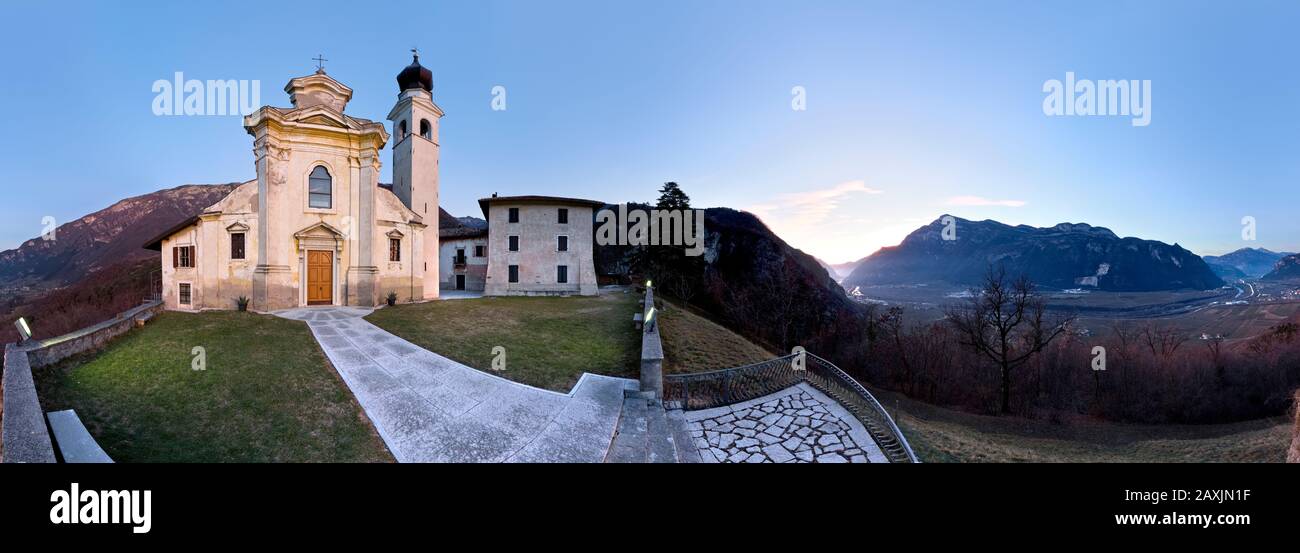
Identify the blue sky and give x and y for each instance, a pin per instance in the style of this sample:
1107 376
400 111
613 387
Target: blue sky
914 109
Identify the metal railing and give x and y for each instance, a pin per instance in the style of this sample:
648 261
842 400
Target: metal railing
851 394
728 386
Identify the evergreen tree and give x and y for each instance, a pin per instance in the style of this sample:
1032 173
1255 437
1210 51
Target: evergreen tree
672 197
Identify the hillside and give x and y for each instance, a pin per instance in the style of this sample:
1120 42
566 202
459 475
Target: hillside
752 282
940 435
1063 256
693 343
1286 268
96 266
1245 262
101 239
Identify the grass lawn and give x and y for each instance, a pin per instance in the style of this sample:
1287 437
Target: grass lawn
944 435
267 394
549 341
693 343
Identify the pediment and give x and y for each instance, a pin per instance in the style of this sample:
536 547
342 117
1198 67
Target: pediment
319 230
318 115
237 227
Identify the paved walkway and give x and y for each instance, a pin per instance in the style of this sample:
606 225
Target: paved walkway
796 425
429 408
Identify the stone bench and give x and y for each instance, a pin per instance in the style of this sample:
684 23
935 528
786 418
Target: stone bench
74 441
638 318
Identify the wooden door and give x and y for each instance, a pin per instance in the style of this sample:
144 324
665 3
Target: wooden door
460 282
320 277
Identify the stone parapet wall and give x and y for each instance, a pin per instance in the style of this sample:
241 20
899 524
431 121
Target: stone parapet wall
43 353
652 349
26 438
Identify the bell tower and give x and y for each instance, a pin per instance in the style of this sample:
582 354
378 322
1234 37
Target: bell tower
415 158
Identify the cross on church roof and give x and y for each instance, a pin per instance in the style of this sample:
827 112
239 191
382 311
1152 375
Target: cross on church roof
320 63
416 53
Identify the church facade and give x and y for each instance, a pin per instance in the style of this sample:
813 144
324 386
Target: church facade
316 227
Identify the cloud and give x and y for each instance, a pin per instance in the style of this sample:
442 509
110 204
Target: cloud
822 221
979 201
812 206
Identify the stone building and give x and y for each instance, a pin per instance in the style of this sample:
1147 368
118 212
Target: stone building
539 245
316 227
464 258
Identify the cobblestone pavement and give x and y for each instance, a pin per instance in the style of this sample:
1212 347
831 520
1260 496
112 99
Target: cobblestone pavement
796 425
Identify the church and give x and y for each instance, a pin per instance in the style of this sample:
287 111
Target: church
316 227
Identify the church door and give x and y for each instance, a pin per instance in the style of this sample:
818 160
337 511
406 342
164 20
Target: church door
320 277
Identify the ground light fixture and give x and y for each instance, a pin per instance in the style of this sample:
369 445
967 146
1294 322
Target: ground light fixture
23 330
650 320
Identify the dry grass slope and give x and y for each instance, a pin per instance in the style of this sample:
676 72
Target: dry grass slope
1293 456
693 343
945 435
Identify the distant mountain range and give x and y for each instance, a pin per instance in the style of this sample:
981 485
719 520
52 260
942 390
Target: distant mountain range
1244 263
1065 256
1286 268
838 270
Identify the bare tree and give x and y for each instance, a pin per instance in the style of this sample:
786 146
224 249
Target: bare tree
1006 322
1163 342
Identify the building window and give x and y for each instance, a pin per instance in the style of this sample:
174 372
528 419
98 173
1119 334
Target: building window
459 258
564 216
562 274
183 256
480 251
401 129
394 249
185 293
426 130
514 215
562 243
320 188
514 273
237 245
514 243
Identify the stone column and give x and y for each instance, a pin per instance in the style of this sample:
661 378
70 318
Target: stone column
364 272
271 278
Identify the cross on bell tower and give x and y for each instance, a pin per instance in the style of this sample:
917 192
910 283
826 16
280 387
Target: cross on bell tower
320 63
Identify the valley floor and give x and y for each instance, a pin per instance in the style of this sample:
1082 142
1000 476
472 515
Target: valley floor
940 435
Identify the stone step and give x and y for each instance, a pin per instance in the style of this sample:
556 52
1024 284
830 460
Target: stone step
629 445
647 433
687 452
659 438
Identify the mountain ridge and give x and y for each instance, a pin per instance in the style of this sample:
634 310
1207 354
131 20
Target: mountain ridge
1066 255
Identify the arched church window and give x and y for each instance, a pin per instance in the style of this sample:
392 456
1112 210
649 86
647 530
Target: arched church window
320 188
401 129
426 130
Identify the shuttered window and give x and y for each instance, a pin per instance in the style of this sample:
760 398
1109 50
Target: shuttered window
183 256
